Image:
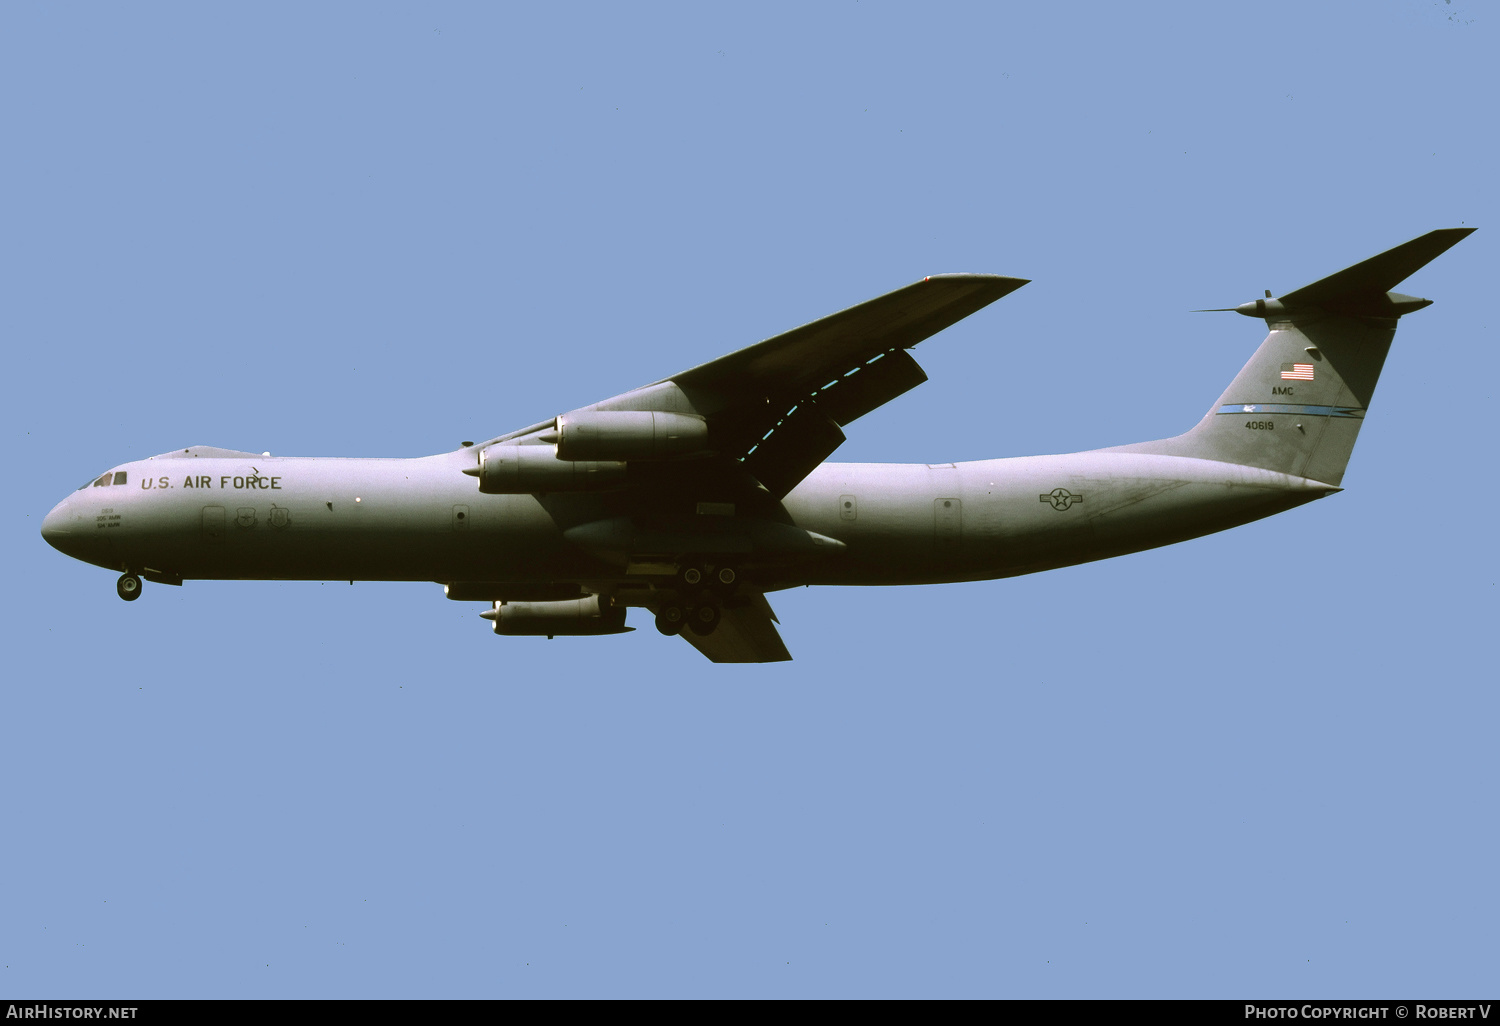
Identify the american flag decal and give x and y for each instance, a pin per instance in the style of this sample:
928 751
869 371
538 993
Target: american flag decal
1296 372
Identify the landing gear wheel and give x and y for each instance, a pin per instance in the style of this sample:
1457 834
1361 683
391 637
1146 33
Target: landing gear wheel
128 587
704 619
691 575
670 619
725 577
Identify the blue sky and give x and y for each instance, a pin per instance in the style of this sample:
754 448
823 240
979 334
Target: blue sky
1254 764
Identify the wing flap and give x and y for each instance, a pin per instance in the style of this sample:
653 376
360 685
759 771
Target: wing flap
871 385
803 439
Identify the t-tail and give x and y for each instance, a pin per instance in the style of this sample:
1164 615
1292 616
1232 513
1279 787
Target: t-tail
1296 407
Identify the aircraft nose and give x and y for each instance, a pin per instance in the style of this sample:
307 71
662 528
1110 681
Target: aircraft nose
70 529
55 527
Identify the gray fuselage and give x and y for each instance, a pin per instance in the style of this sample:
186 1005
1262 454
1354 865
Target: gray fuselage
305 518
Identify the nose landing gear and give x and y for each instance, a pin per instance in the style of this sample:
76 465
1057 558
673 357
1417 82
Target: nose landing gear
128 587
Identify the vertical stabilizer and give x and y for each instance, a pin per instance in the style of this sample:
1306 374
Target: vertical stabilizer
1297 406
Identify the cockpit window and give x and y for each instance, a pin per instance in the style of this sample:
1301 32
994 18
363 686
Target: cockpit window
119 477
104 479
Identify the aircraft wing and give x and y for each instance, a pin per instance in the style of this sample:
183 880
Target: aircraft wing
779 407
804 359
746 633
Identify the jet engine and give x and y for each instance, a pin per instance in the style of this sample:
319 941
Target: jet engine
629 435
572 617
523 469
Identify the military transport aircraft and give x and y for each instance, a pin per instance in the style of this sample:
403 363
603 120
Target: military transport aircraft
694 496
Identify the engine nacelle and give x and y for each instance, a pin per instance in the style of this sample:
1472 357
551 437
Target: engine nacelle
630 435
523 469
571 618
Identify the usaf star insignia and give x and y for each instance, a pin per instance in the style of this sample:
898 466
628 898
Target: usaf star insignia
1061 498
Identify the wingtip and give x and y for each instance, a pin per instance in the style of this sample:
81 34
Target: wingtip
996 286
977 276
1456 235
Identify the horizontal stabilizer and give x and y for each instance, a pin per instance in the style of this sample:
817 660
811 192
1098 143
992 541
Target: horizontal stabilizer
1367 282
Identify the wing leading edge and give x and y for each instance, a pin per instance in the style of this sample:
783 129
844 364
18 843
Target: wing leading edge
800 360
